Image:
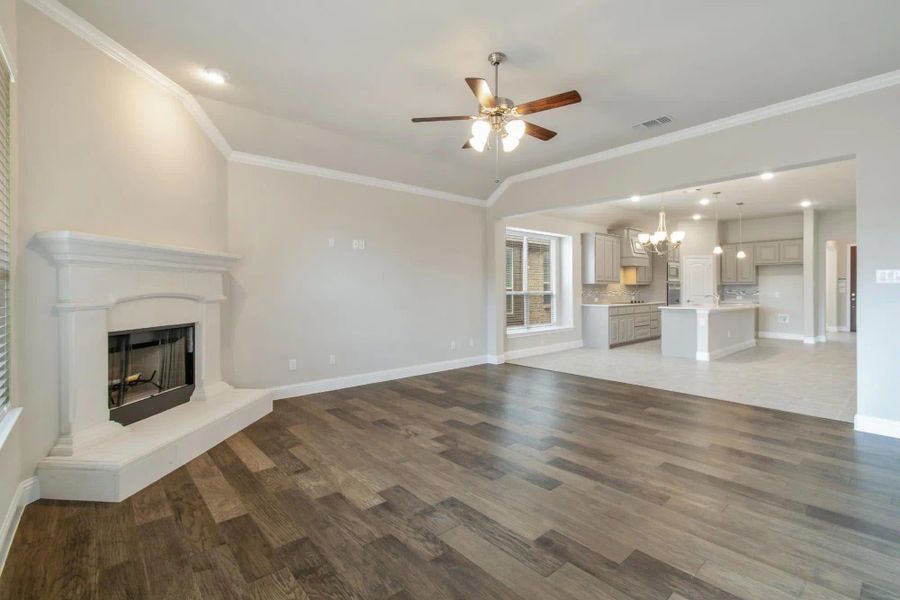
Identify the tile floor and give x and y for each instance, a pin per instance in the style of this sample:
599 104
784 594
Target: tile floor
817 380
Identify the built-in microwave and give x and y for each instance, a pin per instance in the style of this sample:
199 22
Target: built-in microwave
673 272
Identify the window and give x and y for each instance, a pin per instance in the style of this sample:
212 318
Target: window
4 234
531 280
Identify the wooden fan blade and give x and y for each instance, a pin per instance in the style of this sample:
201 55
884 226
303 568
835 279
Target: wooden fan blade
541 133
467 145
549 102
482 91
431 119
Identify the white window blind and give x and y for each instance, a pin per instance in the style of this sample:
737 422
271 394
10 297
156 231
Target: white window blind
5 160
531 279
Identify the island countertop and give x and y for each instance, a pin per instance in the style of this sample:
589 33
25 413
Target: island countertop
711 307
617 304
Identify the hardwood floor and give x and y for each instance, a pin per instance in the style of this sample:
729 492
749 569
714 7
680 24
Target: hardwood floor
492 482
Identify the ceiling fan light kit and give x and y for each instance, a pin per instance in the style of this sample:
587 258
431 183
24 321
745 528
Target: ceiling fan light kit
498 120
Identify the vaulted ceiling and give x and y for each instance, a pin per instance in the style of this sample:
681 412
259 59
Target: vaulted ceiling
350 71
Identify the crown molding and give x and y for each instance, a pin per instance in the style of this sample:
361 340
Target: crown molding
305 169
87 32
856 88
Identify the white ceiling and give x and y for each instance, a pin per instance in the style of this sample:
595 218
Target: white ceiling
363 69
828 186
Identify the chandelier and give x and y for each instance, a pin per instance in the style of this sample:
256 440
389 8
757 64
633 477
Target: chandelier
661 241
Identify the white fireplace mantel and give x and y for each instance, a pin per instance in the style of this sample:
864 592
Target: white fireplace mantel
105 285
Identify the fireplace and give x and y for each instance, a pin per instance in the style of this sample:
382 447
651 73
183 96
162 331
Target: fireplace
149 371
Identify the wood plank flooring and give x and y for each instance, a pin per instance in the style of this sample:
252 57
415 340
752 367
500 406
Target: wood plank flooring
492 482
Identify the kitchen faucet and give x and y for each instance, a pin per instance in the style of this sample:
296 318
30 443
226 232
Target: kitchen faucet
716 296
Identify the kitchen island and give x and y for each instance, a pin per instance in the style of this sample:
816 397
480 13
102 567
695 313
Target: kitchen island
707 332
609 325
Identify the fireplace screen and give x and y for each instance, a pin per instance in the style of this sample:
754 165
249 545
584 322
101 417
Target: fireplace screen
150 370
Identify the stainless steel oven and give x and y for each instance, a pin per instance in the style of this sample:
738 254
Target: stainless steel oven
673 271
673 294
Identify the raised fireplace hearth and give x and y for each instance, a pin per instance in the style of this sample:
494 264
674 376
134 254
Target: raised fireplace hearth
140 382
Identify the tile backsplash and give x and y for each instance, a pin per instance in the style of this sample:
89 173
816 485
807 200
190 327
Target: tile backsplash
609 294
740 292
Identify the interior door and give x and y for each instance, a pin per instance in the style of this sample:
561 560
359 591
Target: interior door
699 284
853 288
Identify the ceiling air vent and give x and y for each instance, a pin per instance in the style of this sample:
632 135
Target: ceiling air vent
653 123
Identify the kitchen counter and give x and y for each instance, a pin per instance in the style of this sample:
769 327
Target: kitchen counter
625 303
707 332
711 307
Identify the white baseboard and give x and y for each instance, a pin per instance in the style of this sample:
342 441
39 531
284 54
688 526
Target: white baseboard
843 328
877 425
831 328
27 492
809 340
495 359
537 350
348 381
777 335
707 356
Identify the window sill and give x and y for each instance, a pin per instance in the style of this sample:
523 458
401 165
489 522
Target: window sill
522 332
7 422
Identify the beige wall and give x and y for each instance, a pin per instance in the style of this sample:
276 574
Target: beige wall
866 126
102 151
417 286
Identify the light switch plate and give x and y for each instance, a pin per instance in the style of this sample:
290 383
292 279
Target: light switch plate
887 276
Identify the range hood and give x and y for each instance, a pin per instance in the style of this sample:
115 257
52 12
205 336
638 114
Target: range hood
633 253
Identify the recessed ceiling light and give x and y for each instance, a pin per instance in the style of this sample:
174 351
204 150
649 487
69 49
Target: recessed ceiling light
767 175
635 198
704 201
215 76
806 204
697 217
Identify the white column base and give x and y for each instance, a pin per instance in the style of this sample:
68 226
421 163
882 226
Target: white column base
72 443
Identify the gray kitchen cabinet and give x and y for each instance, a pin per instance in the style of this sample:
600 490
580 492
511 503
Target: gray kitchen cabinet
734 270
790 252
766 253
607 326
746 267
645 274
600 258
729 273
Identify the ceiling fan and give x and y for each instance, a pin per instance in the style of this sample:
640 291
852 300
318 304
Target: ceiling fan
498 117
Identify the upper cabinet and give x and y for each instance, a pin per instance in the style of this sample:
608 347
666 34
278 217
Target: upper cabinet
735 271
600 258
790 251
767 253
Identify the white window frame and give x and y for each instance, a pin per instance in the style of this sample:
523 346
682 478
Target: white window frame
510 277
554 292
5 202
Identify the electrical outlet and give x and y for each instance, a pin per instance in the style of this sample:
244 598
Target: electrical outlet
356 244
784 318
331 242
362 244
453 344
471 343
332 359
729 334
292 364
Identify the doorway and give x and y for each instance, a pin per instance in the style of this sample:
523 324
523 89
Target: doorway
852 302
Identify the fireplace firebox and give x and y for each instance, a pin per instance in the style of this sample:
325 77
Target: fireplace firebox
150 370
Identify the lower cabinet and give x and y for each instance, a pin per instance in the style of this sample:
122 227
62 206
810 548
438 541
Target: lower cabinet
633 324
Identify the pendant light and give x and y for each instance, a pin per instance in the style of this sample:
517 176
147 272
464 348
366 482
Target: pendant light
718 249
740 252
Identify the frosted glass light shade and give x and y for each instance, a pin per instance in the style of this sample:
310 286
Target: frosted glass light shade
480 129
515 129
718 250
509 143
677 236
643 238
741 254
478 143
